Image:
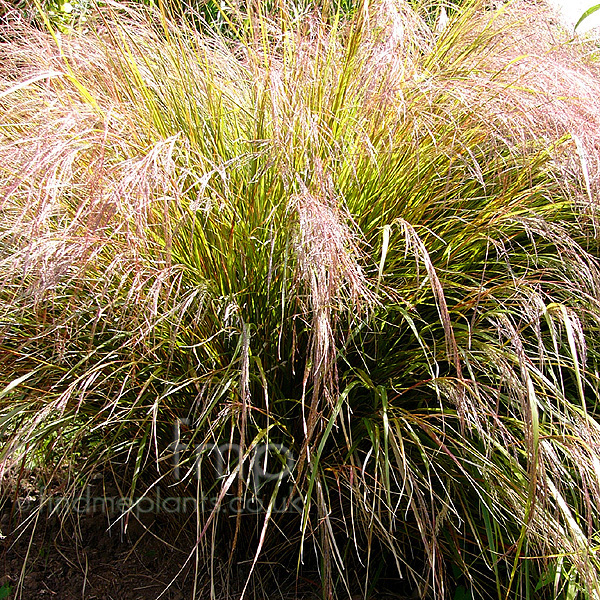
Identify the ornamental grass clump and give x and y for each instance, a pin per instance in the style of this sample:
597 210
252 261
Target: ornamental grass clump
334 277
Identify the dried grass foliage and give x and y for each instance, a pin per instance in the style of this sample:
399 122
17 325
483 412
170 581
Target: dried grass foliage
538 80
174 184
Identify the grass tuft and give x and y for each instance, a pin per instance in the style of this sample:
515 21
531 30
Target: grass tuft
353 250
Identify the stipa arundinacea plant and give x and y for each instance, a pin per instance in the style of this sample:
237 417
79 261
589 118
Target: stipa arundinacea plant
335 281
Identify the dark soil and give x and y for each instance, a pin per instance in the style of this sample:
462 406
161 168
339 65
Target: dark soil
101 555
88 555
88 560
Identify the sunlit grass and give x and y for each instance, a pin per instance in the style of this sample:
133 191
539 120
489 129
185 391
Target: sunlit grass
366 241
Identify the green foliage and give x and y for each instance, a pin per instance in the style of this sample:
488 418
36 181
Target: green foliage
331 233
590 11
63 14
